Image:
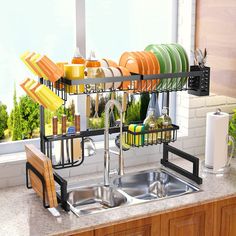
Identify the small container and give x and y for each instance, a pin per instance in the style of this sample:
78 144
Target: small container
55 125
94 70
77 123
63 124
75 71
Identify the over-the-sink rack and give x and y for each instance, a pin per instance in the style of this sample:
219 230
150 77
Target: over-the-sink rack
196 82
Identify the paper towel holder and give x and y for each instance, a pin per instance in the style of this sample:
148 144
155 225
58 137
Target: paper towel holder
209 170
225 169
218 111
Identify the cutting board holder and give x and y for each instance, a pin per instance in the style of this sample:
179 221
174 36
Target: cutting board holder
62 197
29 167
196 82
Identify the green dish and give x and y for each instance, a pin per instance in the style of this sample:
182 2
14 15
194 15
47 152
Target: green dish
168 66
173 63
176 65
151 48
185 64
160 58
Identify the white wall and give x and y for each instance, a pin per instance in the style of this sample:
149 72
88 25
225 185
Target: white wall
191 117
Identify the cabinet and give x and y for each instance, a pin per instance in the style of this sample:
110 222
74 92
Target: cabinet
225 214
194 221
88 233
210 219
144 227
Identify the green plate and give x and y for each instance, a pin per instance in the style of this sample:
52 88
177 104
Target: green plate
178 66
168 66
185 64
160 58
175 65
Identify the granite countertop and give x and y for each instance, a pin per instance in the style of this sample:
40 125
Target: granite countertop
22 212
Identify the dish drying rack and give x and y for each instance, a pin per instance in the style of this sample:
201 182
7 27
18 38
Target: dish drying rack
196 82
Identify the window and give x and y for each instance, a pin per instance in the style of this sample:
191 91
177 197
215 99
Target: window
46 27
108 27
112 27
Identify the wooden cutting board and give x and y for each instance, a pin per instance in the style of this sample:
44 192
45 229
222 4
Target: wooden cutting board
44 166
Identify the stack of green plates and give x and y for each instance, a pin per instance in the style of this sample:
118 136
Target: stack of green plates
172 59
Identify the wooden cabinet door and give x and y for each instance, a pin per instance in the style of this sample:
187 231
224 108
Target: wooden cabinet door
194 221
144 227
225 212
88 233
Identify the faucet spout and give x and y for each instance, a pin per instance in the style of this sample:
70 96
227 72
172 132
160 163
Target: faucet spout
106 141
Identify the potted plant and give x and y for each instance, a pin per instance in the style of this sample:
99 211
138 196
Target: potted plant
232 129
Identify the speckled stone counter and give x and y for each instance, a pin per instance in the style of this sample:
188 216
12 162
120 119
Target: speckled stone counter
22 212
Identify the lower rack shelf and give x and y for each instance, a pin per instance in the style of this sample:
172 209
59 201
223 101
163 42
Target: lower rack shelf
67 151
151 137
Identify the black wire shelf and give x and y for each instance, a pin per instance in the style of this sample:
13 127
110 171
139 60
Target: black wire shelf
196 82
133 139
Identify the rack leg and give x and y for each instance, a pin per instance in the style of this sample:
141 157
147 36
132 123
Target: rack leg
42 125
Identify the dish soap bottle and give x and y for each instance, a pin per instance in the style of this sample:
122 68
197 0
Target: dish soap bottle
94 70
164 122
150 125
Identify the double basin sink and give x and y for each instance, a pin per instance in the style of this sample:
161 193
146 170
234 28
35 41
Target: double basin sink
128 190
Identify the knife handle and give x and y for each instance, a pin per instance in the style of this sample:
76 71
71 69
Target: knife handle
77 123
63 124
54 125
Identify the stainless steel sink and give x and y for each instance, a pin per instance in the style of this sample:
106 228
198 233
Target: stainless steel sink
128 189
150 185
92 199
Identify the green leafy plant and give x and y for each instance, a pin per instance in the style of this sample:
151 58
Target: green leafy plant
3 119
29 113
232 127
97 123
16 121
133 112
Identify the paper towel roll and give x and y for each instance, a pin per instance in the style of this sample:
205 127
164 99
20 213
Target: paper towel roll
216 149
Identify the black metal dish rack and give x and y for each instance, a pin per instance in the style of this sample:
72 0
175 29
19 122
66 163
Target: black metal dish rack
196 82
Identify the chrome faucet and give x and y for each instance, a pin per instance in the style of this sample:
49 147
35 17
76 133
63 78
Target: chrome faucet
106 142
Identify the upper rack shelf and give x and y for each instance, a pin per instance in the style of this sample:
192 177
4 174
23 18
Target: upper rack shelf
196 81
